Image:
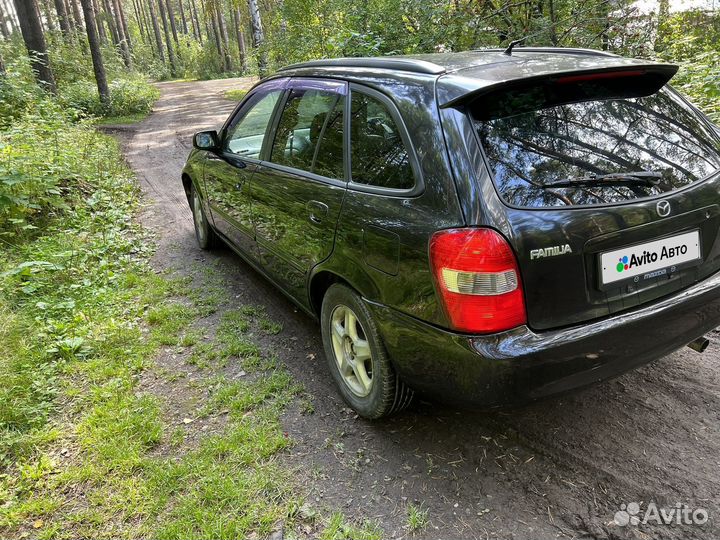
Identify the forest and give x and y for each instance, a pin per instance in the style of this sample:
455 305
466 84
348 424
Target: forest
118 44
84 314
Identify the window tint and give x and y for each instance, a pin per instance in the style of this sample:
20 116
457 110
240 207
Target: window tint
578 140
310 133
245 137
379 157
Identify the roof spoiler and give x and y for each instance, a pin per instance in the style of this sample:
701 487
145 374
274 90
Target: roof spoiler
655 77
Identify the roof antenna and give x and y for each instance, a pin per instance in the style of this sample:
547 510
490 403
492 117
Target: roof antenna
509 49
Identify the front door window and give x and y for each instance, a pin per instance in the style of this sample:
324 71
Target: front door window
246 135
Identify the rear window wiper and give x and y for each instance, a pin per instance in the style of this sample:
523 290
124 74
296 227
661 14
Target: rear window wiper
637 178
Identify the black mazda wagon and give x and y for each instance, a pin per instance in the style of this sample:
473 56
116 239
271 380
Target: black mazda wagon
488 227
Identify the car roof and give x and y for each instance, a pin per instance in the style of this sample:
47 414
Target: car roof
466 73
441 63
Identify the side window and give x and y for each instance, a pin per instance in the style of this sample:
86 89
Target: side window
379 156
246 135
309 135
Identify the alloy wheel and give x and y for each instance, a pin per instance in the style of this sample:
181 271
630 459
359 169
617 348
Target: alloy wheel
352 351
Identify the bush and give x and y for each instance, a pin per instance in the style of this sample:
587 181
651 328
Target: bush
82 96
127 96
132 96
19 94
45 161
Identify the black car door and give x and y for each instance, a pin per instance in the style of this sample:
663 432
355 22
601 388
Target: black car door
228 172
297 191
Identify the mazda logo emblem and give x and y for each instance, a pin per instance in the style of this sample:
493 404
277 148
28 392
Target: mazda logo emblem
663 208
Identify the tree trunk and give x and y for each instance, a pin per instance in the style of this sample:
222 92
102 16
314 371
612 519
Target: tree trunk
69 16
109 17
46 11
168 39
3 71
31 29
120 11
116 31
77 16
182 17
218 39
142 17
227 59
138 18
156 30
242 50
191 16
10 15
208 20
97 18
122 33
258 36
171 20
94 41
62 18
144 13
193 5
3 23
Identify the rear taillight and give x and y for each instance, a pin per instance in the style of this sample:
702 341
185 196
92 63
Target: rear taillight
479 280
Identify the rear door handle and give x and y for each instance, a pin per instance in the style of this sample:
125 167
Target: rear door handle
317 211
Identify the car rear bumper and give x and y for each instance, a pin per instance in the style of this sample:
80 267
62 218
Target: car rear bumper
521 365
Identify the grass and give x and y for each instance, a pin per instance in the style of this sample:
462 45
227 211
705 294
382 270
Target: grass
235 95
417 518
122 120
339 528
85 450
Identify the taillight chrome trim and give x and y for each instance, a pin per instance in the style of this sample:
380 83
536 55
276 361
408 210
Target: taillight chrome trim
479 283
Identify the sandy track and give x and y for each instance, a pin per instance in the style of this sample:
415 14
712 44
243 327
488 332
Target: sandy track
556 469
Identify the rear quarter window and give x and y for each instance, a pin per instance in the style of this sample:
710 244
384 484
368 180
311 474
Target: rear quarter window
378 154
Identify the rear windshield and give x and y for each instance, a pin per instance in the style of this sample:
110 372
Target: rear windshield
530 143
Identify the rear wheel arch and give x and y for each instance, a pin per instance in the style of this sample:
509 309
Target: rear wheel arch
319 284
322 278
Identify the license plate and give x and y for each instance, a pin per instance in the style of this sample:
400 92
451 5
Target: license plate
651 259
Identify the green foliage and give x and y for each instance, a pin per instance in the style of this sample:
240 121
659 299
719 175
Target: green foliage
128 96
700 81
59 285
235 95
417 518
19 94
339 528
46 161
130 92
81 315
692 38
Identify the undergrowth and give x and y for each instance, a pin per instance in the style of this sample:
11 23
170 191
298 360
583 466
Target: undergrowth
84 453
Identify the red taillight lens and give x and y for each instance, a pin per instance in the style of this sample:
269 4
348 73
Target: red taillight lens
479 280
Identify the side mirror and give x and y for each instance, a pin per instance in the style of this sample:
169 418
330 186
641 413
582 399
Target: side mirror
206 140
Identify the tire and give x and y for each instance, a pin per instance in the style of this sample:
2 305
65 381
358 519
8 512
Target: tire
204 233
357 358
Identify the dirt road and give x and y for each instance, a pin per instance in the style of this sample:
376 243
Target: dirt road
560 468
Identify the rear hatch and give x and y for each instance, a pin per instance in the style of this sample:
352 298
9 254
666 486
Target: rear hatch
611 185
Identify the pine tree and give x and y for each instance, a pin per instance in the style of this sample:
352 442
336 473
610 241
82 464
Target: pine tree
97 61
32 32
